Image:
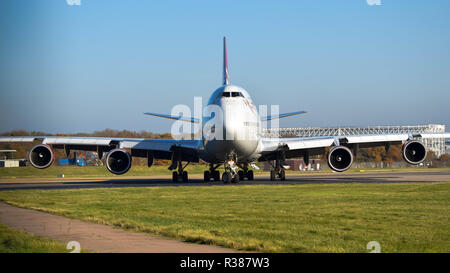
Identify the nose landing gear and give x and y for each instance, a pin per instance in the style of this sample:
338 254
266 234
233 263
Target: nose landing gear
230 174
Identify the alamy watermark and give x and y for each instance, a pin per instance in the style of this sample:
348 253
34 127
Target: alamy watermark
232 121
374 247
374 2
73 2
74 246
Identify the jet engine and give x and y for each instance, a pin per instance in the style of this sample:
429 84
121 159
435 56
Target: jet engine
414 152
340 158
41 156
118 161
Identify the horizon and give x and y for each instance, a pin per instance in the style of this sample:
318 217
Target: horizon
193 133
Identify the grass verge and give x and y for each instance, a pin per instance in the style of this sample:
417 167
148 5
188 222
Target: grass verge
409 217
18 241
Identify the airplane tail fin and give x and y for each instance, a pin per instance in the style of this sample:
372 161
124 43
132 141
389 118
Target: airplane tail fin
225 63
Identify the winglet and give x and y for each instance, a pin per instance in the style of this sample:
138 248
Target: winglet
225 63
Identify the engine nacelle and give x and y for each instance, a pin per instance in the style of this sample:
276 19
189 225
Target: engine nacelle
41 156
118 161
340 158
414 152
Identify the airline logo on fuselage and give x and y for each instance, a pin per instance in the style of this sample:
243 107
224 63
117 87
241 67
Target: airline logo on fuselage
250 105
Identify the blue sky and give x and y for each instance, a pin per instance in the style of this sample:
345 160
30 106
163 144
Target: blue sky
102 64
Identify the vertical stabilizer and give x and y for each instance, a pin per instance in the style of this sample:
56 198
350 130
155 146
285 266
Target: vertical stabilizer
225 63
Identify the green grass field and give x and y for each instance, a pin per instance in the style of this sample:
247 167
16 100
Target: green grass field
18 241
406 217
101 171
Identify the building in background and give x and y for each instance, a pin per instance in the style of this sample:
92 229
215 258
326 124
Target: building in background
77 160
7 159
296 165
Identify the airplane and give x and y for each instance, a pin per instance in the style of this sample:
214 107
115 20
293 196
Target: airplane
232 139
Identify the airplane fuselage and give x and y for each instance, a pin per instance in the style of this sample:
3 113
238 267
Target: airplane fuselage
237 132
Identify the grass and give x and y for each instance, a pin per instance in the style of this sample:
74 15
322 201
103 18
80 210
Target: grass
18 241
409 217
101 171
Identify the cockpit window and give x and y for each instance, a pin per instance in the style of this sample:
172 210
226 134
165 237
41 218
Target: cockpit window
232 94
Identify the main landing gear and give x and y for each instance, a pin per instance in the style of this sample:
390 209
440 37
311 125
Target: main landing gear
278 170
211 174
180 174
274 174
245 172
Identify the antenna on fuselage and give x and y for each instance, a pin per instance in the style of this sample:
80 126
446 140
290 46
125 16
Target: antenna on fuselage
225 63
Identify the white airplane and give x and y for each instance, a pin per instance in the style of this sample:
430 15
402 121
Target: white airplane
231 136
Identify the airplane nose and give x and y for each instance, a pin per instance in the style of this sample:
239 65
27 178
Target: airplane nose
232 122
236 134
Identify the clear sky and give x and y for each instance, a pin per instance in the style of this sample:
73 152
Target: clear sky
102 64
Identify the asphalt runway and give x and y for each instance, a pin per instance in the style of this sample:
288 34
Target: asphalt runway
291 179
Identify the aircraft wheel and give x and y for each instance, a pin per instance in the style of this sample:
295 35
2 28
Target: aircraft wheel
226 177
235 179
250 175
185 176
216 175
174 177
206 176
282 175
241 175
272 175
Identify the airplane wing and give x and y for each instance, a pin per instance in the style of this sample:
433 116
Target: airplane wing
306 146
285 115
140 147
304 143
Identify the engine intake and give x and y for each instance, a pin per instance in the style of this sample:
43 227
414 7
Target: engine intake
414 152
41 156
118 161
340 158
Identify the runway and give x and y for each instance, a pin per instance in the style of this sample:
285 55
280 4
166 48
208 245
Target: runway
291 179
